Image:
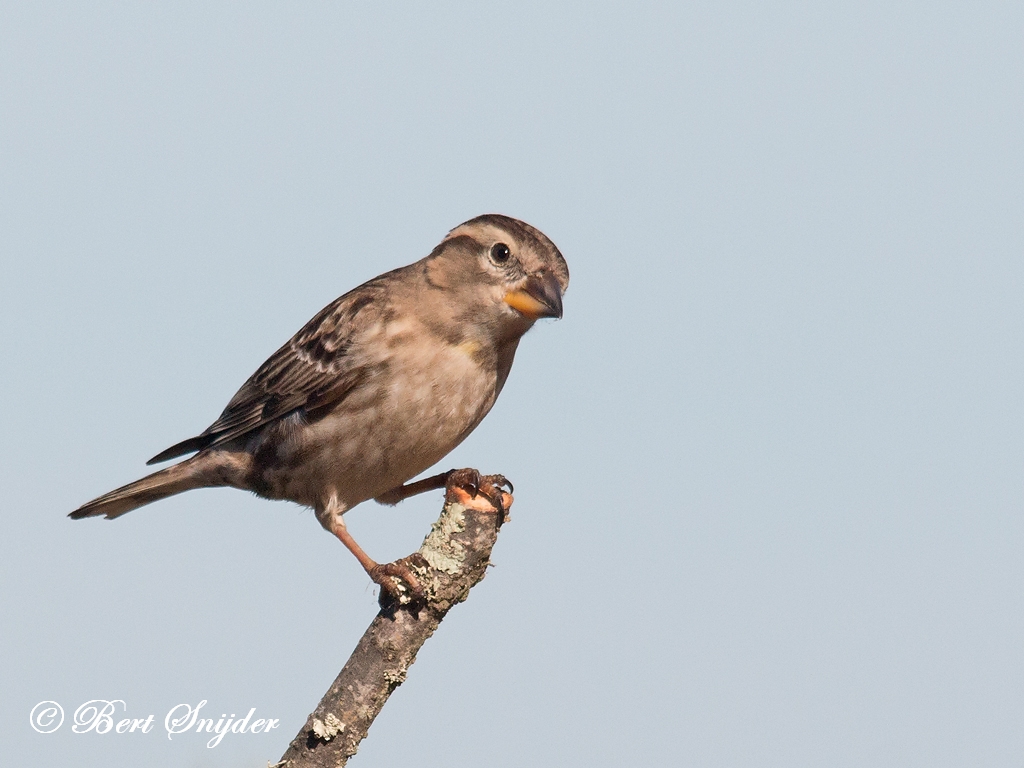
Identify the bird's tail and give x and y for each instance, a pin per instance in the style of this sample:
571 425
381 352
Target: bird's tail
189 474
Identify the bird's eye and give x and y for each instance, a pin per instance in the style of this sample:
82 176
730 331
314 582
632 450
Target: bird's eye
500 253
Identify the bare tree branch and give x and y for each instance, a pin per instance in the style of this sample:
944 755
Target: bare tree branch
453 558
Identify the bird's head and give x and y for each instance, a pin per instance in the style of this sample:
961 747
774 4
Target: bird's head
507 274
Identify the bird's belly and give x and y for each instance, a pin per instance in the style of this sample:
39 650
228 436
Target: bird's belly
384 433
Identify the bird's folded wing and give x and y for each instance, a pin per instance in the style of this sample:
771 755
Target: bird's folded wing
315 369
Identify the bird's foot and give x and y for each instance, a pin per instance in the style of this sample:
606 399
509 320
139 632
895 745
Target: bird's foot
398 584
483 493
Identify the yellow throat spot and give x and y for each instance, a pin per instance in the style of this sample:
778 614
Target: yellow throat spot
470 347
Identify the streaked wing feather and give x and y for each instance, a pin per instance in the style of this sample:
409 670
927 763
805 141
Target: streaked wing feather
316 368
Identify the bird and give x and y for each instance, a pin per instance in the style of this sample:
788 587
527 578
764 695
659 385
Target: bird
376 388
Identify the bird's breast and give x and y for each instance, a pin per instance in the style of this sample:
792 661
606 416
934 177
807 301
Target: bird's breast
420 402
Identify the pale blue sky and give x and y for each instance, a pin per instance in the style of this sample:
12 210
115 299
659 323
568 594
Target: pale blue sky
768 467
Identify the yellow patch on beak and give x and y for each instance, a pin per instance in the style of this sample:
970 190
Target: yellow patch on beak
526 305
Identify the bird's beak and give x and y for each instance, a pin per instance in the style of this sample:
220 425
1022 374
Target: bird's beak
540 296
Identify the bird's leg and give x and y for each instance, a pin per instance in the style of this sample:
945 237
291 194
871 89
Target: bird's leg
403 492
384 574
469 481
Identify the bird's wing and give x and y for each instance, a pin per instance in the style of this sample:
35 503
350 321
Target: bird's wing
315 369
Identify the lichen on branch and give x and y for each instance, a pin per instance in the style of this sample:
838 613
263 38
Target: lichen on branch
452 559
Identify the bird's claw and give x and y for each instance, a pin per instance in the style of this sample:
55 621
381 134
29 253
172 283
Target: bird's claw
398 583
500 481
468 480
490 487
